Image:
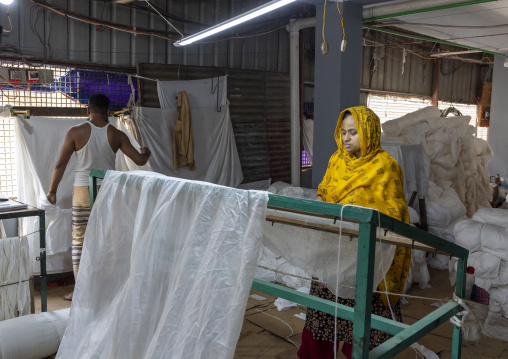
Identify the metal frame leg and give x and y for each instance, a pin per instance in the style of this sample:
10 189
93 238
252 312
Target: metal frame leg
42 237
363 294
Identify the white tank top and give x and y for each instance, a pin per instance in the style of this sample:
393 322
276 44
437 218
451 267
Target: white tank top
97 153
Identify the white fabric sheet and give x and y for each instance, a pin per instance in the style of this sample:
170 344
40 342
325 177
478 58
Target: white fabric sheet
317 252
15 269
38 144
415 164
215 152
166 269
210 92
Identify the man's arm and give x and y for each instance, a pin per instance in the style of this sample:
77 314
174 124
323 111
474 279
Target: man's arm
139 158
63 159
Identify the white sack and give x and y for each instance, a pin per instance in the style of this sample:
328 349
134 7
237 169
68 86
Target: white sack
485 265
494 240
166 269
210 92
445 210
38 144
215 153
34 336
15 271
468 234
495 216
316 252
395 127
439 261
499 294
496 326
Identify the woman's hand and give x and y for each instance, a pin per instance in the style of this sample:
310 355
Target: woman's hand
319 198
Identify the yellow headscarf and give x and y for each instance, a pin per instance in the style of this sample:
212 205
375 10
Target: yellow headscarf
374 180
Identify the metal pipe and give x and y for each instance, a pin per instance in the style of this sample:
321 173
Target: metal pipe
430 39
294 28
414 7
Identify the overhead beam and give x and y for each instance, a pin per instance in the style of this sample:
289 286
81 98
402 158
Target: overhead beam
413 7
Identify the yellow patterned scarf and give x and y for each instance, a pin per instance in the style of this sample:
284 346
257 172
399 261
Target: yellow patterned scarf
374 180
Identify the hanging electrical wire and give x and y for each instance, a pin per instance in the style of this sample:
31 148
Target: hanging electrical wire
169 23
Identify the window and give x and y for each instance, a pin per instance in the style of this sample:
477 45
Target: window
389 107
8 184
68 88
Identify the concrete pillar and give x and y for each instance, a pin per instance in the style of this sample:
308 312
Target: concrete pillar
498 131
337 78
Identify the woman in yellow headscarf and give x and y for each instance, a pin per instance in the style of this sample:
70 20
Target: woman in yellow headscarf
359 173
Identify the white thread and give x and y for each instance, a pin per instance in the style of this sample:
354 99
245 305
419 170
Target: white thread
292 332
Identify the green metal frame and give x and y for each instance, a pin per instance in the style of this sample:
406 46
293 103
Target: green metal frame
403 335
36 212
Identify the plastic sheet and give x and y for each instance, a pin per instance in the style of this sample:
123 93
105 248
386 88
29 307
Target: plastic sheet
176 258
33 336
215 153
38 144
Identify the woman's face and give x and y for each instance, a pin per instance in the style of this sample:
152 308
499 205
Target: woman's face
350 136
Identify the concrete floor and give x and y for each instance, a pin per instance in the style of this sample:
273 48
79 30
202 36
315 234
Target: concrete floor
268 333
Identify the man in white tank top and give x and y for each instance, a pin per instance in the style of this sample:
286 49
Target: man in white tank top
95 143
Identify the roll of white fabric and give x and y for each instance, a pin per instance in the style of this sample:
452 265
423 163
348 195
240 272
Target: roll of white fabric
14 276
33 336
494 240
467 234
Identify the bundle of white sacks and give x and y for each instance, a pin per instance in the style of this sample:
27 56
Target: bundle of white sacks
458 159
485 235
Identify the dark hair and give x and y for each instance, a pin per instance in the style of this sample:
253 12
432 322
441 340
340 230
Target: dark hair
98 103
346 114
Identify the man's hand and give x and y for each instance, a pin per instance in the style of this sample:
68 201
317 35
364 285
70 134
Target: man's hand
145 151
51 197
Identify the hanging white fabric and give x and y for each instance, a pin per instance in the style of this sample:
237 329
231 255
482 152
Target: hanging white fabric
210 92
168 272
15 271
215 153
38 144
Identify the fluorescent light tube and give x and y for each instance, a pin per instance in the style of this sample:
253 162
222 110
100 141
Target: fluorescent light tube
249 15
6 2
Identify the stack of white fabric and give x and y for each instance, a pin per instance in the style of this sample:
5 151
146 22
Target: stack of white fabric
15 271
458 159
444 209
485 235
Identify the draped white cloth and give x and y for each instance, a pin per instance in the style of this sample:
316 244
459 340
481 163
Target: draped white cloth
38 144
215 153
210 92
166 269
15 272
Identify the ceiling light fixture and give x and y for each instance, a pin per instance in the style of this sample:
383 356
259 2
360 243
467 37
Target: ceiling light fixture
249 15
6 2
